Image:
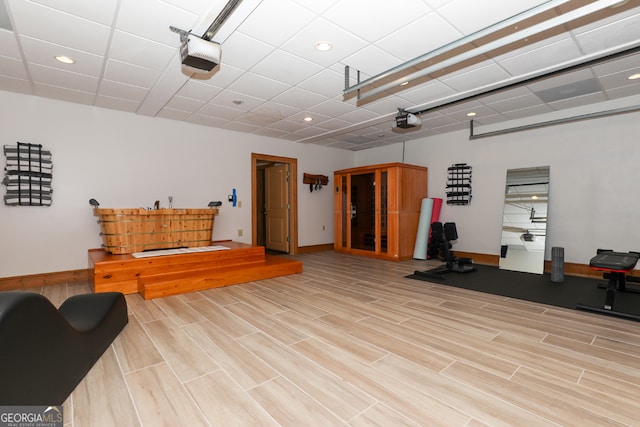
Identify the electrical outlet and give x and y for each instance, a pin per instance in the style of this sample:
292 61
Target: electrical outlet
239 232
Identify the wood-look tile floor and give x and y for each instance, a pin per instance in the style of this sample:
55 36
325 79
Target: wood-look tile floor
351 342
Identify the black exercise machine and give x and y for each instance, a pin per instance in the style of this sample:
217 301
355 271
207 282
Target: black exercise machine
440 248
616 266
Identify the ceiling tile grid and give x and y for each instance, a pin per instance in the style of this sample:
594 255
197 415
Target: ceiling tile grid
272 80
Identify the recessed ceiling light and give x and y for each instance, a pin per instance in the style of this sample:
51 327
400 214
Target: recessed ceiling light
471 114
634 76
64 59
323 46
308 119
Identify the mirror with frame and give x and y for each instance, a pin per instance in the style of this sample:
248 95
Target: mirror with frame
524 223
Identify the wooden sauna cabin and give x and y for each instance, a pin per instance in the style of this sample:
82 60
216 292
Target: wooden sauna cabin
126 231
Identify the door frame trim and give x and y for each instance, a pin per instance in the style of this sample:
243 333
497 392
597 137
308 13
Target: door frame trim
293 197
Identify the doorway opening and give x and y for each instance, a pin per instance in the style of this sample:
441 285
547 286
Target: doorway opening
274 203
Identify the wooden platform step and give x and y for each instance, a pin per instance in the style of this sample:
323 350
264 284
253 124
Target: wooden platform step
172 274
160 285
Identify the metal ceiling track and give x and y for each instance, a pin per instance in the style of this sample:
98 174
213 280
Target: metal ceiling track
596 115
224 14
367 89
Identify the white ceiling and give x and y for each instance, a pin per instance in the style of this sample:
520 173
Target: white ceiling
271 77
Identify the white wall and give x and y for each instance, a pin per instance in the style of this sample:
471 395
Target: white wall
125 160
594 199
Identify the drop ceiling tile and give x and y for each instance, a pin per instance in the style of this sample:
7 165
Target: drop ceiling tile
609 32
333 124
204 120
112 89
578 101
213 7
101 12
628 63
316 119
273 133
10 67
287 126
30 16
15 85
238 101
43 53
435 119
63 94
130 74
239 126
515 103
197 90
308 132
624 92
469 16
540 56
560 80
388 105
64 79
332 107
219 112
358 116
428 92
257 85
116 103
419 37
299 98
372 60
286 68
527 112
184 104
375 19
275 22
506 94
170 113
317 6
132 19
222 76
487 120
476 77
343 43
236 47
126 47
9 45
272 112
327 82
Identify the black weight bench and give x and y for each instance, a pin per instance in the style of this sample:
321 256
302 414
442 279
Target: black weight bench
45 352
616 266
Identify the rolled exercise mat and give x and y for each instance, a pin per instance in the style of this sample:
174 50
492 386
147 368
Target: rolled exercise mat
424 224
435 217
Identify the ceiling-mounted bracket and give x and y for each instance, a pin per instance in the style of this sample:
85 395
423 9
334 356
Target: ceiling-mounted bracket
183 34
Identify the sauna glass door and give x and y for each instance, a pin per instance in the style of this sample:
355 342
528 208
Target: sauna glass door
362 211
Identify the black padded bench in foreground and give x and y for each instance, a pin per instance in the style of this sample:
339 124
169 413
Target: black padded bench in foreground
616 266
45 352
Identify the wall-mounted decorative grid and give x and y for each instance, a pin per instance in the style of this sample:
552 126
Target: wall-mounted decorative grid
28 174
459 184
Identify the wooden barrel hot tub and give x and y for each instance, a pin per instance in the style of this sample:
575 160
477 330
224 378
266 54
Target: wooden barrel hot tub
125 231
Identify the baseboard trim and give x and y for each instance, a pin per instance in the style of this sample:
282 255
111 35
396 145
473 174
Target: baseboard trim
75 276
43 279
315 248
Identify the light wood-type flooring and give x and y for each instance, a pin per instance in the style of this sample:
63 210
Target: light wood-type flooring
351 342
